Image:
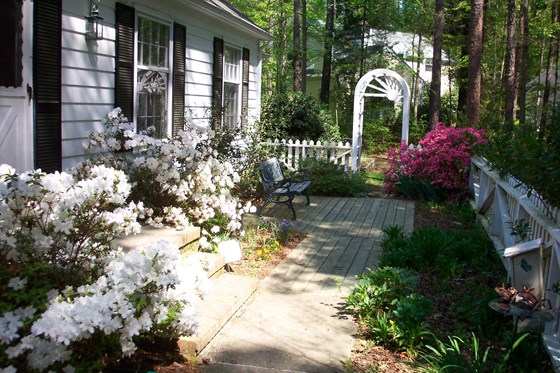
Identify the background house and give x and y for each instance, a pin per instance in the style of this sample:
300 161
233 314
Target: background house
159 60
399 48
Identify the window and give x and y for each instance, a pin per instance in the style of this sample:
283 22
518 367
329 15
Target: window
232 84
429 62
145 64
11 43
152 75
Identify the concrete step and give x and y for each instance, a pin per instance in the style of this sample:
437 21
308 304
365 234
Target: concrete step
212 264
185 239
228 293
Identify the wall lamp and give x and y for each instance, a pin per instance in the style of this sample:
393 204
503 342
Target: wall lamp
94 23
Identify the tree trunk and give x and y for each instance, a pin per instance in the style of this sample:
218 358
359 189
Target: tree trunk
475 62
296 52
435 85
327 56
417 87
304 45
522 60
552 50
280 50
509 82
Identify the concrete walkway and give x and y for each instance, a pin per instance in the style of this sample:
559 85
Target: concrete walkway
295 321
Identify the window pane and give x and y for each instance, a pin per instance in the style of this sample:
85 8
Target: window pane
231 101
152 94
232 64
153 43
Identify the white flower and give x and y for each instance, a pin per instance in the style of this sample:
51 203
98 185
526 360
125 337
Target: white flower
230 250
17 283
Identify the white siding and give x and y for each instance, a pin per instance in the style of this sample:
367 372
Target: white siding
88 67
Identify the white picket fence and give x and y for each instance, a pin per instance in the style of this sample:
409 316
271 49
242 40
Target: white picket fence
502 201
293 152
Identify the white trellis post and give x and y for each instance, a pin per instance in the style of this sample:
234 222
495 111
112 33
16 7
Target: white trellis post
377 83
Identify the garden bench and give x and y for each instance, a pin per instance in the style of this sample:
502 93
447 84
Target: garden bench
278 188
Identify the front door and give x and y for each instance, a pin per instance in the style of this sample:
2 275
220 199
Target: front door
16 84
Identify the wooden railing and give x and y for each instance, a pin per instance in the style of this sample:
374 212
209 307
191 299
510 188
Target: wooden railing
293 152
503 205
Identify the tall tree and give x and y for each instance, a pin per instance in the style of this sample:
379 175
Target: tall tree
522 60
296 52
435 85
509 78
475 62
304 27
324 95
550 69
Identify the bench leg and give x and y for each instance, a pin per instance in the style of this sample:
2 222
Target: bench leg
307 196
292 208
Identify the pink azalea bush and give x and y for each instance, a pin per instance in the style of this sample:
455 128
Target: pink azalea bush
441 159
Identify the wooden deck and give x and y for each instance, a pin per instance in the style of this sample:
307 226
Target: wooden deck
344 236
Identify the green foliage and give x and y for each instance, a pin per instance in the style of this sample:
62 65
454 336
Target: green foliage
521 229
463 356
377 137
380 290
520 150
385 301
449 252
296 115
413 187
331 180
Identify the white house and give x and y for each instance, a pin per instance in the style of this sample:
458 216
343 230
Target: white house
399 47
404 47
159 60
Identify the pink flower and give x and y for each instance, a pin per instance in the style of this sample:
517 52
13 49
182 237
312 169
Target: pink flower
442 159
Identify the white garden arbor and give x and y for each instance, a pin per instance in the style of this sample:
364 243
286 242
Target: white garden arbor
377 83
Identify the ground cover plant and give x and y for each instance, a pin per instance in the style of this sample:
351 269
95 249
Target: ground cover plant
448 301
265 243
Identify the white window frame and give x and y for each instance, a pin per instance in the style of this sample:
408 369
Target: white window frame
235 122
168 70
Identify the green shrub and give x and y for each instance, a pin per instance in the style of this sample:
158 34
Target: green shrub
331 180
448 252
380 290
520 150
297 116
377 137
386 303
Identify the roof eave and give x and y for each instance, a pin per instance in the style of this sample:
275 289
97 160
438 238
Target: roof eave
221 15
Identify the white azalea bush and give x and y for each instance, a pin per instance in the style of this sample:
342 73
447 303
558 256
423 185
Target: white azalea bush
181 179
68 300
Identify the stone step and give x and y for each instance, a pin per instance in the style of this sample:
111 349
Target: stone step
185 239
228 293
212 263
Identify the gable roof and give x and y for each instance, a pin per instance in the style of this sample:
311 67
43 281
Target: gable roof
223 10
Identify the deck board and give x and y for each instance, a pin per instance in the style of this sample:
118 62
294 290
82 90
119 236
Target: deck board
344 239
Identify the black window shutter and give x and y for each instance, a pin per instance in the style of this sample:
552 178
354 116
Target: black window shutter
47 43
245 88
178 101
124 64
11 43
217 82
